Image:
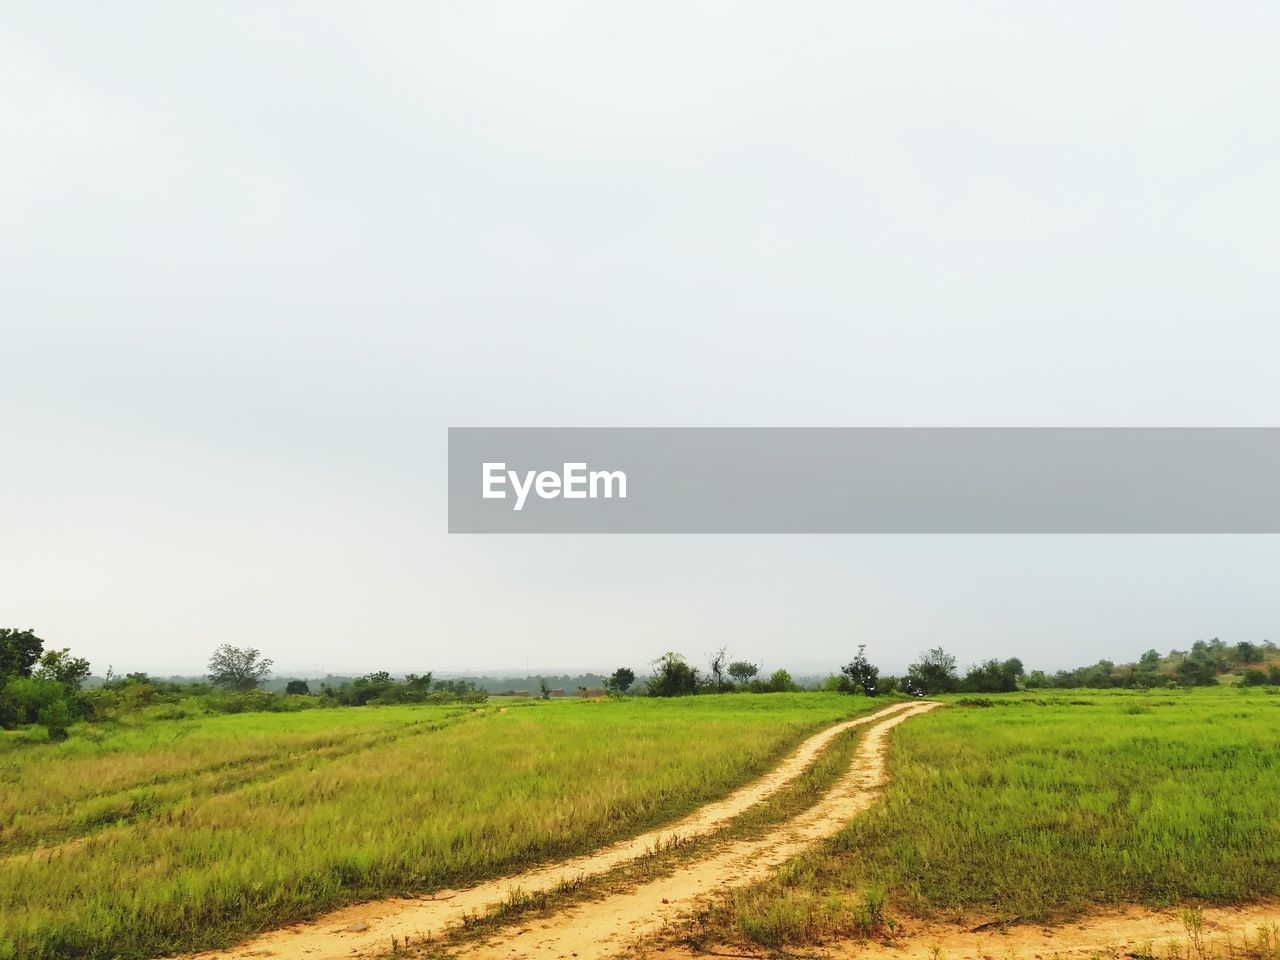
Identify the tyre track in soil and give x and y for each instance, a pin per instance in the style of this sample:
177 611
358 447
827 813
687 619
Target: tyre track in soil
367 929
612 925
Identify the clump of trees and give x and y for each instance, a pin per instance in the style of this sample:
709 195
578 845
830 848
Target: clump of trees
674 676
380 688
39 686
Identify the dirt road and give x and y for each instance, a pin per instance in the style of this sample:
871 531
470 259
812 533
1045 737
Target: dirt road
1132 932
368 929
609 926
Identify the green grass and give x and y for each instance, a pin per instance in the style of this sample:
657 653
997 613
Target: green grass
1040 806
198 832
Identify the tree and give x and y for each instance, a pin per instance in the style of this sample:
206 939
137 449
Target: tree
862 676
238 668
60 667
621 680
297 687
543 689
994 676
1150 659
1197 672
1248 652
718 659
19 652
743 672
934 673
673 677
780 682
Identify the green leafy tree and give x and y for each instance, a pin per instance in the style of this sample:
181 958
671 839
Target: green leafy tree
861 675
743 672
935 672
1197 672
60 667
238 668
297 688
1248 652
621 680
993 676
673 677
780 682
19 652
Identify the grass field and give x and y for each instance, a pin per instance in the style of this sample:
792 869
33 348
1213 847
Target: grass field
180 834
1037 806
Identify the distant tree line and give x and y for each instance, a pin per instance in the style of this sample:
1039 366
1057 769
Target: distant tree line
936 671
46 687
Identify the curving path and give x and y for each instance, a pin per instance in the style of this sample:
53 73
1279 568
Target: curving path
610 926
368 929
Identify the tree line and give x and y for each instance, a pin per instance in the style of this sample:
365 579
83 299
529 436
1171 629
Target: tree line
45 687
936 671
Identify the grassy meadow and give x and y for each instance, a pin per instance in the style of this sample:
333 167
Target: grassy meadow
1036 806
175 834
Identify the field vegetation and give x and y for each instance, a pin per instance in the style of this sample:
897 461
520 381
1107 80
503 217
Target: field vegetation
157 835
1040 805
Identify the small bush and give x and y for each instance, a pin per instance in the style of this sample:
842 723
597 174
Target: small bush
55 717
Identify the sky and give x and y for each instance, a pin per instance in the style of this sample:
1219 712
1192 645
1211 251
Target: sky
255 259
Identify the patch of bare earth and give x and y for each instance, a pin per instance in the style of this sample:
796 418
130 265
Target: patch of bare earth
1133 933
611 925
368 929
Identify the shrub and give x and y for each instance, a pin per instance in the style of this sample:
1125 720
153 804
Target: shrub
55 717
780 682
674 677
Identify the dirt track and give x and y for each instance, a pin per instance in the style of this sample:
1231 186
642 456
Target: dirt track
1127 933
367 929
606 927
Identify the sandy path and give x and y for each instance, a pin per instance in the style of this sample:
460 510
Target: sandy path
367 929
606 927
1111 934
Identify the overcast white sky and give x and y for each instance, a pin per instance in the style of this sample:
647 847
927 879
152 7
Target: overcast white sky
255 258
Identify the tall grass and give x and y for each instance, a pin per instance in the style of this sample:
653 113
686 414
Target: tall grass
239 836
1038 807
